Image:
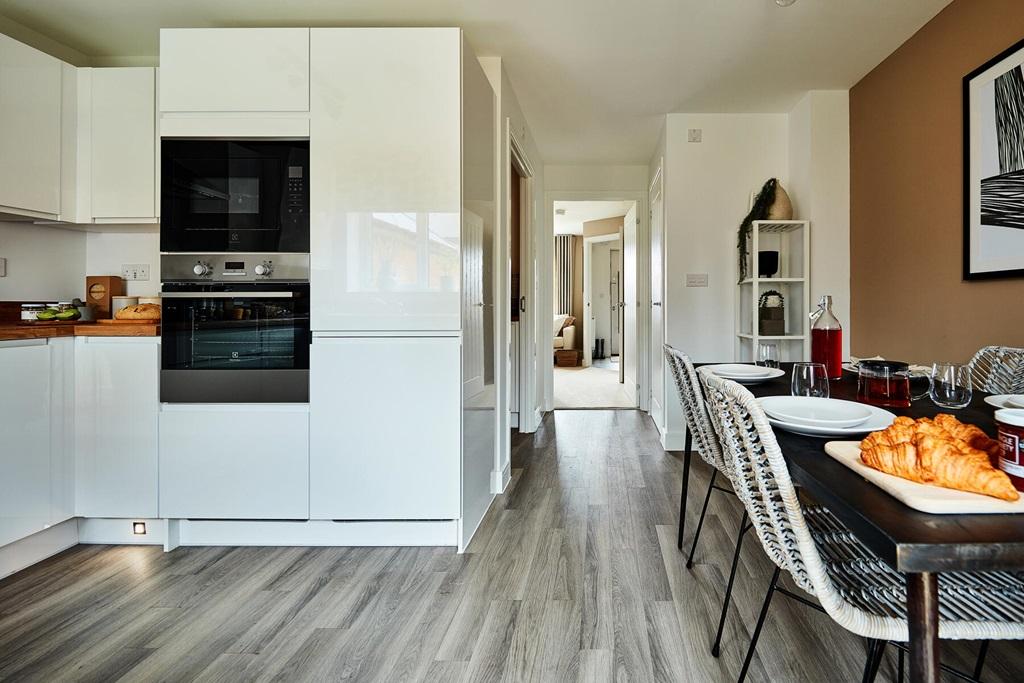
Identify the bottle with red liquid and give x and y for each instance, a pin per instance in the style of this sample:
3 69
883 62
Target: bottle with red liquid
827 339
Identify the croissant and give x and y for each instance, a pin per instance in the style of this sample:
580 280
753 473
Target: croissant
938 452
971 435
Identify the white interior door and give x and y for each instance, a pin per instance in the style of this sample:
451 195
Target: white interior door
615 299
657 310
588 308
473 302
629 357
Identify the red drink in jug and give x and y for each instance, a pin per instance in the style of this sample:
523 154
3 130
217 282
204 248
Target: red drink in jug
827 339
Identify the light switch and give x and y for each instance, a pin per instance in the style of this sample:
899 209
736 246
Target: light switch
3 267
696 279
694 134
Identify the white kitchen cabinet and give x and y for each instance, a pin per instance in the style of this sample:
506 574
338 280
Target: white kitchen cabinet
384 428
25 454
385 178
247 461
62 428
116 407
234 70
123 143
30 130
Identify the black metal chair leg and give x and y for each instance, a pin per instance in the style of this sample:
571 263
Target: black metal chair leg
980 664
740 533
700 522
760 623
876 648
899 665
687 455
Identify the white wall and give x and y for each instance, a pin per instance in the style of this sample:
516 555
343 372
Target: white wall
508 110
707 193
43 262
819 171
105 252
594 178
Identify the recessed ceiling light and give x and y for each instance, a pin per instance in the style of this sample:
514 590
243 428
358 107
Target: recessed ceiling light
784 3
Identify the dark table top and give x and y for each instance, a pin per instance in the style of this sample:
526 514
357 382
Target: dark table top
909 540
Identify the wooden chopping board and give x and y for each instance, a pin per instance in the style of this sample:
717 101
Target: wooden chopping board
935 500
114 321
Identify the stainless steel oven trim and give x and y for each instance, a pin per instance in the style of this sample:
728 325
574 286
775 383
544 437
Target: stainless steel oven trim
247 294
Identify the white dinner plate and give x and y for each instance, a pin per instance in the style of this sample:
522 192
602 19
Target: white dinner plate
750 380
816 412
1005 400
880 419
739 370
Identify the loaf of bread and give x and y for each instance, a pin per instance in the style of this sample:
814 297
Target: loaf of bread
139 312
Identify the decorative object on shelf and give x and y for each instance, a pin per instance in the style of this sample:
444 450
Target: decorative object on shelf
767 263
771 314
771 203
993 97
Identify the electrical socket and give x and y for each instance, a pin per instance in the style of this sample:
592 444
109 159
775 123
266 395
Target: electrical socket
135 271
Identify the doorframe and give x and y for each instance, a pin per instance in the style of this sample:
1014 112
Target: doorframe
657 189
545 280
529 418
588 258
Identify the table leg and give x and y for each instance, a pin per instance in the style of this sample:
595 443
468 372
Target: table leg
923 618
687 453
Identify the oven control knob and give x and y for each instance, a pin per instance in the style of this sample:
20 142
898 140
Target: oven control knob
265 268
201 269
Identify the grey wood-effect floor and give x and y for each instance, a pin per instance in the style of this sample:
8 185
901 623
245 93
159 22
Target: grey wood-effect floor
573 576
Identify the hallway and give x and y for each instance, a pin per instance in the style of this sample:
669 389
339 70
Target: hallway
594 387
574 576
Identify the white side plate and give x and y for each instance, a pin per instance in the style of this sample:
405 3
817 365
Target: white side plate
880 419
816 412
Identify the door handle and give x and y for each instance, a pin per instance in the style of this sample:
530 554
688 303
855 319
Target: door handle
522 304
656 303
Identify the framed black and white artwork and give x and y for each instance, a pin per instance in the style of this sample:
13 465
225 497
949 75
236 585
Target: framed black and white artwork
994 167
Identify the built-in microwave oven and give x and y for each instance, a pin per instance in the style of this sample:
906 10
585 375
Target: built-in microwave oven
234 195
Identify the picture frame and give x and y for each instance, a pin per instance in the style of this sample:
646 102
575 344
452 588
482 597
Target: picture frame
993 167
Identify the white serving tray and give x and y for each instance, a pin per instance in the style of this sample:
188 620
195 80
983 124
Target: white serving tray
924 497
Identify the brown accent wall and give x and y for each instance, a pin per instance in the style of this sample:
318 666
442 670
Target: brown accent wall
906 219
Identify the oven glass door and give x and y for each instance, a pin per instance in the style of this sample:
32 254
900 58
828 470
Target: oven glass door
219 195
235 347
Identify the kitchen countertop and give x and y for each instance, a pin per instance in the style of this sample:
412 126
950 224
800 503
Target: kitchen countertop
12 331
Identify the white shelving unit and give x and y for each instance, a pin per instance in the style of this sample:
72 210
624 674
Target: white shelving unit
792 239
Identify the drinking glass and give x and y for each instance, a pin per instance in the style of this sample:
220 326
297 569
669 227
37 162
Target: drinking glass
768 355
951 385
809 379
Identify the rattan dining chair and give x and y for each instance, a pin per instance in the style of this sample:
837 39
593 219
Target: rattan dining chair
853 585
699 432
998 370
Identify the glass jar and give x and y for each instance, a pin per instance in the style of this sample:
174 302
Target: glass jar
30 311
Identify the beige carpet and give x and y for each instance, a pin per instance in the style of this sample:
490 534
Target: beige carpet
593 387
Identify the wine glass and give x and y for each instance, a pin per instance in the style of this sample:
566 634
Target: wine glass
809 379
768 355
951 385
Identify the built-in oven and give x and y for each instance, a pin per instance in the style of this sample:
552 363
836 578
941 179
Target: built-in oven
235 328
234 195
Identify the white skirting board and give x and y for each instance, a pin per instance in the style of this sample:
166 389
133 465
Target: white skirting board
35 548
271 533
673 440
500 480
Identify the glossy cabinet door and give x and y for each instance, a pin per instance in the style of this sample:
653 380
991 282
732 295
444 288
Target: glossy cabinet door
62 428
234 70
30 133
384 428
25 453
234 461
385 177
116 406
124 143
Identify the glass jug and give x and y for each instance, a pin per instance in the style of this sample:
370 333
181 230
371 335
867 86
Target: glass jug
827 339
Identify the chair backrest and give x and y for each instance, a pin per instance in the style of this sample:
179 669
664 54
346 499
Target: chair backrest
760 476
998 370
691 396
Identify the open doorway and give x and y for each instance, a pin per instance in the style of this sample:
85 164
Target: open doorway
594 270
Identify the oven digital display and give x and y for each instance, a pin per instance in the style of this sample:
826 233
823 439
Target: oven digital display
234 265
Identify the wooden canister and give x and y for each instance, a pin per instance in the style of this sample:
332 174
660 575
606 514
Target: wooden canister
99 290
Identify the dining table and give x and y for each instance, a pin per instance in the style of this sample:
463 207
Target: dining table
919 545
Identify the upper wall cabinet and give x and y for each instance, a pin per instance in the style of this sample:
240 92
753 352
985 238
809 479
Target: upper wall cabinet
385 178
124 142
30 130
234 70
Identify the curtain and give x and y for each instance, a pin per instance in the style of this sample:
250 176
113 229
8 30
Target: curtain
563 273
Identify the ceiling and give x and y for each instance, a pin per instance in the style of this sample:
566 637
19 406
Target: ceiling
578 213
592 76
